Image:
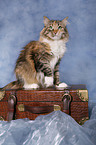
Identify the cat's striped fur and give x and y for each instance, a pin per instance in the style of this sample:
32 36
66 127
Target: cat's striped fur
38 63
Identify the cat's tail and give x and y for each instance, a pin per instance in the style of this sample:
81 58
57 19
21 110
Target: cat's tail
12 85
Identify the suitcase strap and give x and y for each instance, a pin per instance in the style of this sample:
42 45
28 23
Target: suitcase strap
66 102
11 107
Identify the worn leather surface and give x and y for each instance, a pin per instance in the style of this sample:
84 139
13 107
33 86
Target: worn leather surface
78 109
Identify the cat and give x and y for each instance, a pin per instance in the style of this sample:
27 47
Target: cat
38 63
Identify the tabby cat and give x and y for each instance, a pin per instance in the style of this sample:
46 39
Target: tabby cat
38 63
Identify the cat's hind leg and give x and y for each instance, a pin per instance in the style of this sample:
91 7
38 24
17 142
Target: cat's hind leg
29 83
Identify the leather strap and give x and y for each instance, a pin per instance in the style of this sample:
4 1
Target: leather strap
11 106
39 109
66 103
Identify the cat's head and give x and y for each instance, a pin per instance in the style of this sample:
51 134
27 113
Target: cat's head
55 29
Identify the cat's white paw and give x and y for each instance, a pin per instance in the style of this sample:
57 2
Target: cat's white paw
61 86
31 86
48 81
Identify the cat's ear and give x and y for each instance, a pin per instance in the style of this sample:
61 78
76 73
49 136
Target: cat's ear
64 21
46 20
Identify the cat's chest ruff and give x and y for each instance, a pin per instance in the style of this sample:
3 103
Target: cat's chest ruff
58 47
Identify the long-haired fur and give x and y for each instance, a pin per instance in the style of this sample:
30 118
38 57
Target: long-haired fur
38 63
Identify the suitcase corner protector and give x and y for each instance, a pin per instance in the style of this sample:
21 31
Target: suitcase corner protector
83 95
83 120
57 108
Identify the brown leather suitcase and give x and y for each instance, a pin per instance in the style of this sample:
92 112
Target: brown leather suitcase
17 104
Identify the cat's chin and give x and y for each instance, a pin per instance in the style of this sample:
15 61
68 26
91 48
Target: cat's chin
61 86
56 37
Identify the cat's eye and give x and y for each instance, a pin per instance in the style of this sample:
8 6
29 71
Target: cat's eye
51 27
59 27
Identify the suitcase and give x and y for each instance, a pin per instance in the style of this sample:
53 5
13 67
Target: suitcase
18 104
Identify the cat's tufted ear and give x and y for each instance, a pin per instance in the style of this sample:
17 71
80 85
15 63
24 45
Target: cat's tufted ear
46 20
64 21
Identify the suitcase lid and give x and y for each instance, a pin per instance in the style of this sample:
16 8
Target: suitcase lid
78 93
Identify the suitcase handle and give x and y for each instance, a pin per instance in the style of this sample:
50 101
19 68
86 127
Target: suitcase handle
38 109
47 109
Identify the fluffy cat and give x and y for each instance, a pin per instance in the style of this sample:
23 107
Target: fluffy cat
38 63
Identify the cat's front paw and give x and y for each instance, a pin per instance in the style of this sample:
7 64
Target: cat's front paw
48 82
30 86
61 86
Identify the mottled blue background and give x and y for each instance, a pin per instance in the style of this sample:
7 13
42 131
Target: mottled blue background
22 20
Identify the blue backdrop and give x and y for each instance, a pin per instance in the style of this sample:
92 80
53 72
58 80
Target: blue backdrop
22 20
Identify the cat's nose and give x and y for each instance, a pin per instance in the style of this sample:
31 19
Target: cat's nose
55 31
